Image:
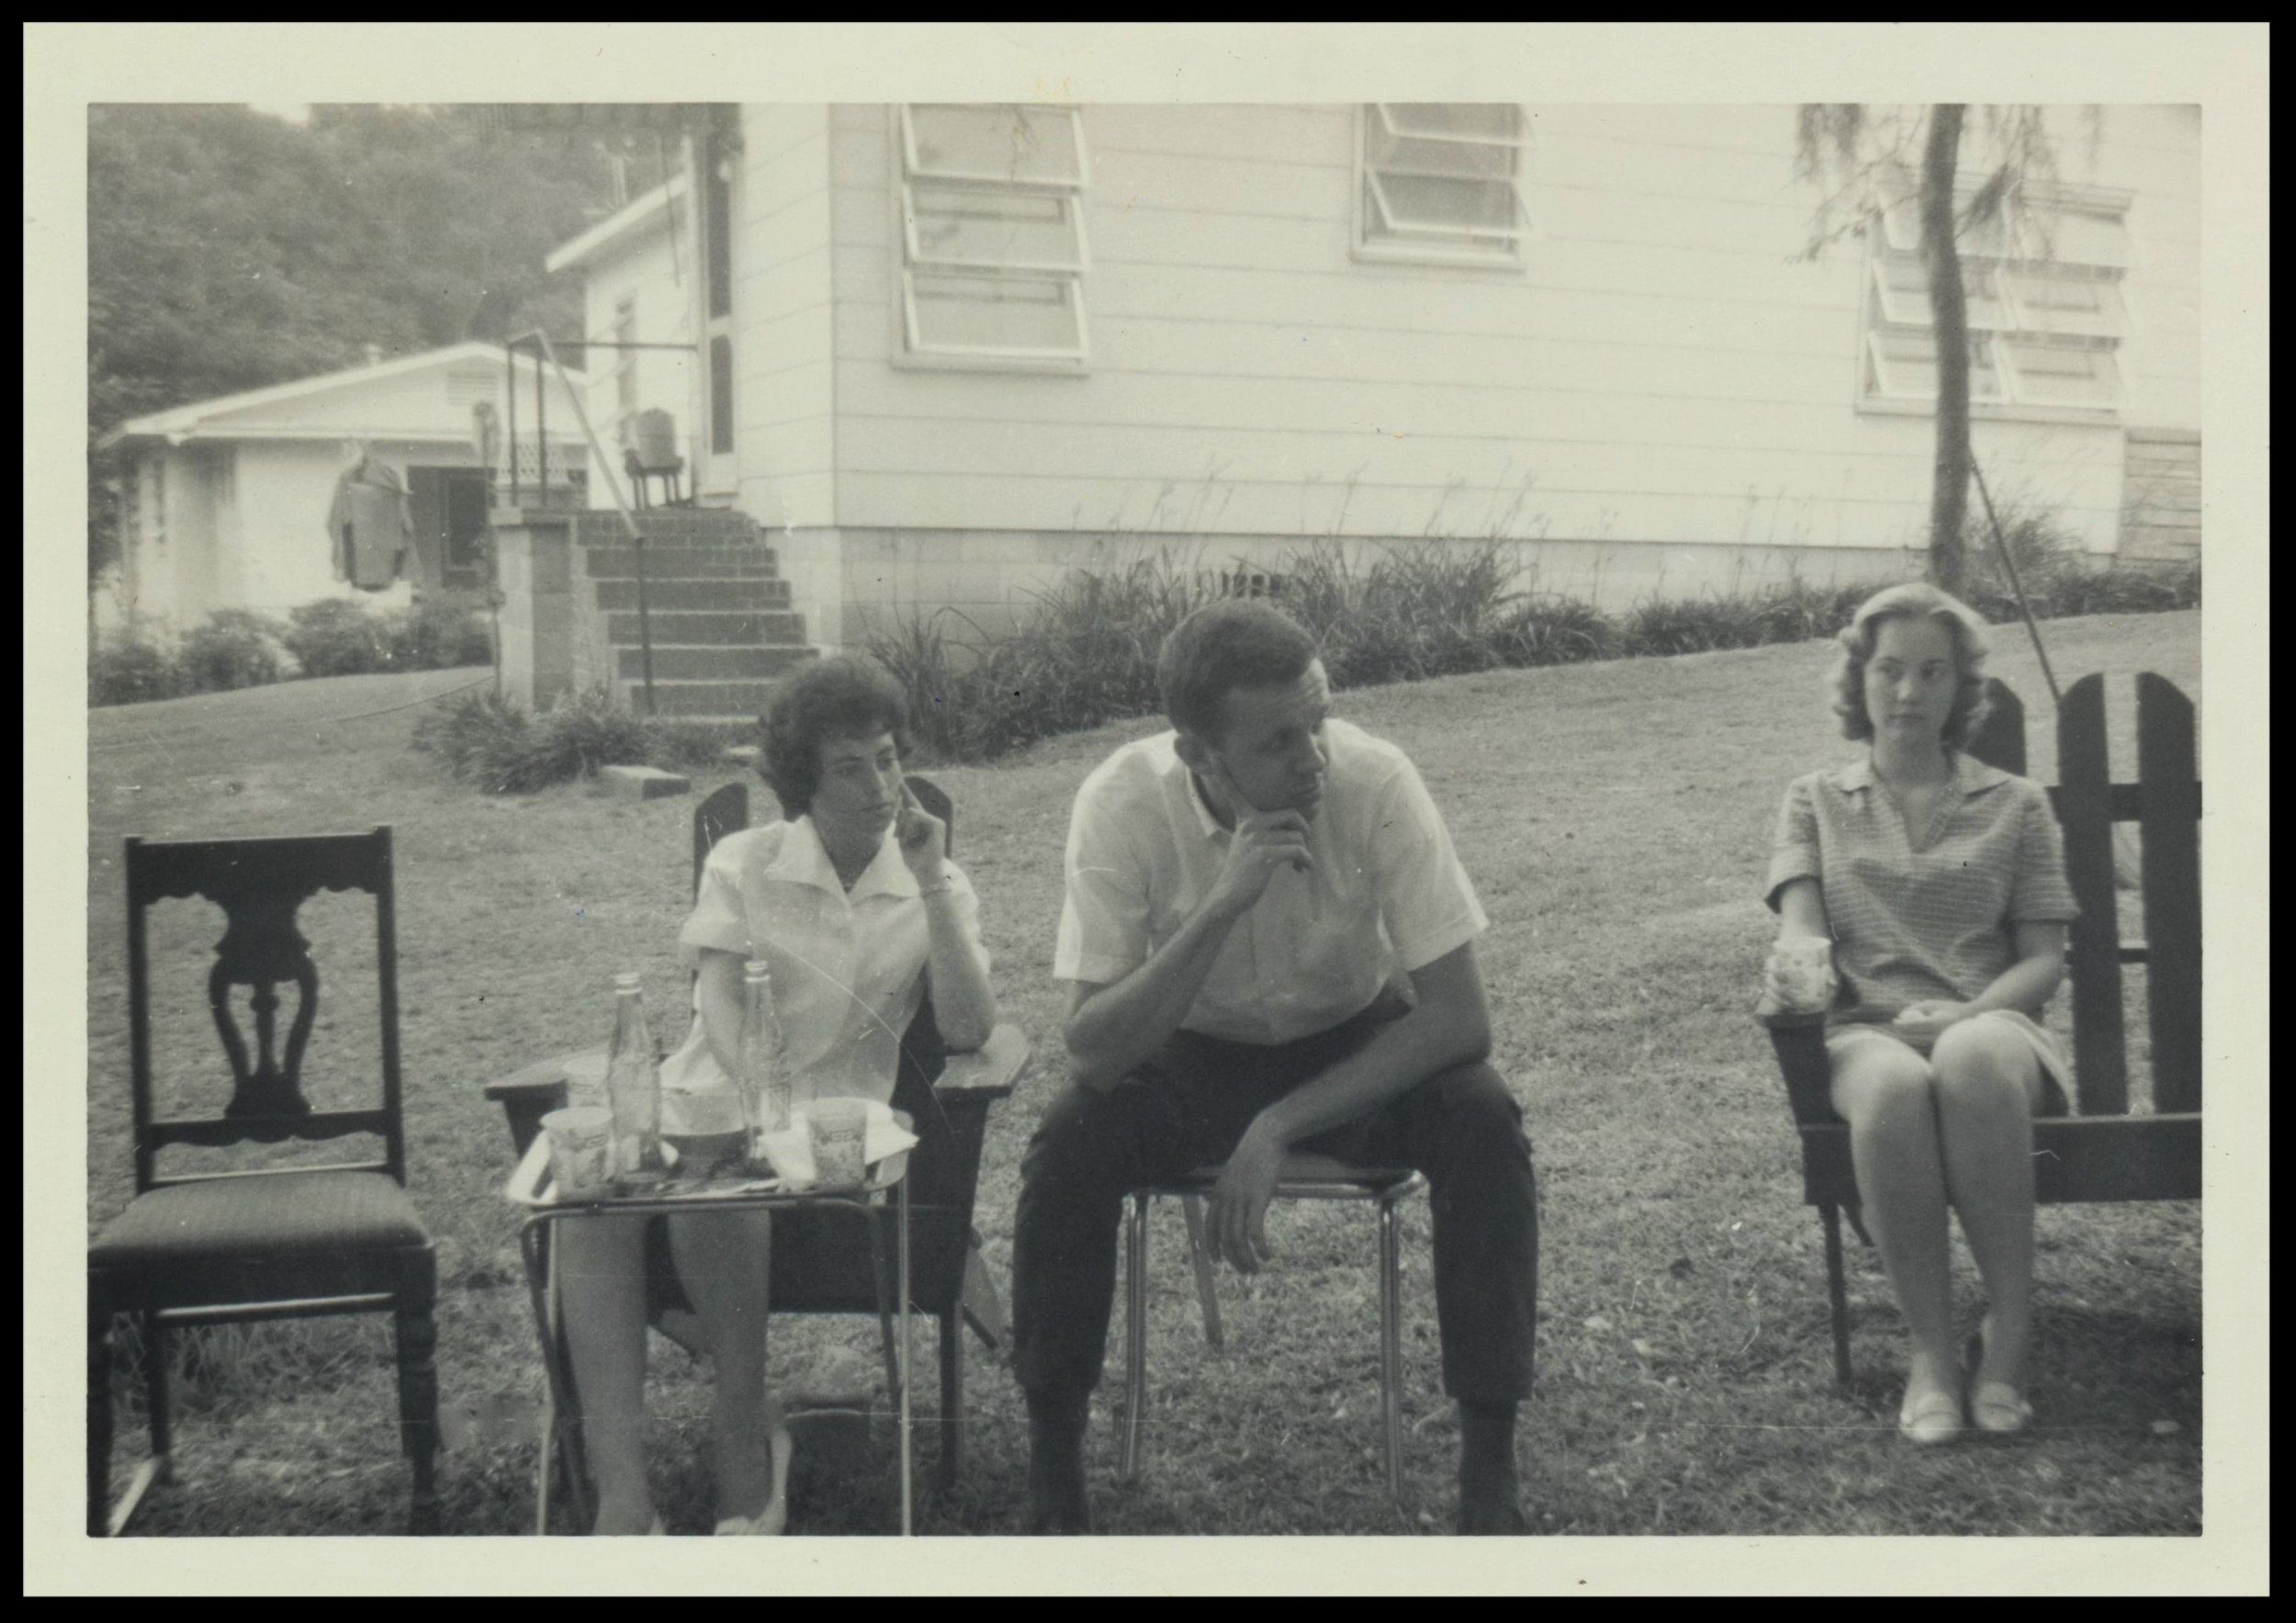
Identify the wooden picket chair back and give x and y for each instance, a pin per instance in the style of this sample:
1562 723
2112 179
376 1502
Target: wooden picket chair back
2165 804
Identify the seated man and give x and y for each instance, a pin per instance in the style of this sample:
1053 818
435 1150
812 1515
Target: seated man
1245 896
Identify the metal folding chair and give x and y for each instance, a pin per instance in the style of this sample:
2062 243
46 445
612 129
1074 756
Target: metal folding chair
1304 1177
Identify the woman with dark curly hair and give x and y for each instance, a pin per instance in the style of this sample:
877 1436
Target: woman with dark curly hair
855 904
1940 883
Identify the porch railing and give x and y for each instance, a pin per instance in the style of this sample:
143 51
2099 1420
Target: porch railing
546 357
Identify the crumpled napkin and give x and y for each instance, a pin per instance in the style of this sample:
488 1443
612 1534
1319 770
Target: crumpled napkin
790 1150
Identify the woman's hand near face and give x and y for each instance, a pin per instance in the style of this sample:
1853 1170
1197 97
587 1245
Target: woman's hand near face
924 840
964 1002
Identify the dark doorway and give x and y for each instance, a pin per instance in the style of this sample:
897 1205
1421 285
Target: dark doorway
465 554
450 522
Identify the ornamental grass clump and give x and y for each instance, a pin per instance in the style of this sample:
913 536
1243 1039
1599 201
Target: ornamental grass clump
1085 649
488 741
1555 630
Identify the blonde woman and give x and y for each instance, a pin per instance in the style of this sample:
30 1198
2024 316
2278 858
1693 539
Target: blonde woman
1941 882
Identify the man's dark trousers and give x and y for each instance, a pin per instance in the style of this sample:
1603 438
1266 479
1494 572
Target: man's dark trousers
1188 1105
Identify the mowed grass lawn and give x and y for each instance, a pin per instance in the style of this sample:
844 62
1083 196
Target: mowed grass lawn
1616 820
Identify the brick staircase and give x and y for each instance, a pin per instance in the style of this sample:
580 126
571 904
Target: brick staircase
723 629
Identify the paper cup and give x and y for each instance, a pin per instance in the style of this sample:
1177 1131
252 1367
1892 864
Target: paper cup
837 1130
581 1151
1801 974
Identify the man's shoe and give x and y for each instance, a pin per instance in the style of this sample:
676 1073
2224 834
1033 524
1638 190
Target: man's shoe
1058 1502
1059 1521
1494 1516
1491 1494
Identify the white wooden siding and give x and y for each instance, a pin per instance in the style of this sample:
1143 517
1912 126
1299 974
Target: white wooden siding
990 579
1662 368
788 341
783 422
656 278
2157 158
282 554
1218 504
245 527
1585 464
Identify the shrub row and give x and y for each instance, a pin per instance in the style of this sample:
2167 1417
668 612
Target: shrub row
1085 653
483 739
242 649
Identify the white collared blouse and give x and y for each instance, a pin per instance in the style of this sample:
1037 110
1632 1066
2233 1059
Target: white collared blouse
847 967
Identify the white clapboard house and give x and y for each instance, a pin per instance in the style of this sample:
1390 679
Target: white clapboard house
941 354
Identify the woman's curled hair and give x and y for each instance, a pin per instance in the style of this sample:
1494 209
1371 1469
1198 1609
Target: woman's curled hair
842 697
1915 600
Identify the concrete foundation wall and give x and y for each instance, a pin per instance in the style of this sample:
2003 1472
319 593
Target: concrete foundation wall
987 578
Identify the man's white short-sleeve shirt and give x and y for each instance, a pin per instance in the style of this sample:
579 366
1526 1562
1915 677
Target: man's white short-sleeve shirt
1387 892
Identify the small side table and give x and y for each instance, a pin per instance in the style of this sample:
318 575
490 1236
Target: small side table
530 1187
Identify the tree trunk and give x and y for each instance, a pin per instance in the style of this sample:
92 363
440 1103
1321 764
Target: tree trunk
1948 307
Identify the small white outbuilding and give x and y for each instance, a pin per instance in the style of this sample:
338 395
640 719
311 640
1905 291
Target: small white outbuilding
235 502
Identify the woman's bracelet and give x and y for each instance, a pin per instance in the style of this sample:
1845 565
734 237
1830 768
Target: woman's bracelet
935 890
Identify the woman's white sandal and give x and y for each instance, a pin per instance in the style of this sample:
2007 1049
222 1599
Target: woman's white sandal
1932 1418
770 1522
1999 1408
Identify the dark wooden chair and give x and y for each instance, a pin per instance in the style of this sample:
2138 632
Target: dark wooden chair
822 1265
291 1242
2106 1153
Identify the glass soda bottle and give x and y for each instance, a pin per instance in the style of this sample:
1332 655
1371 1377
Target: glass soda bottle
764 1081
633 1085
586 1088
